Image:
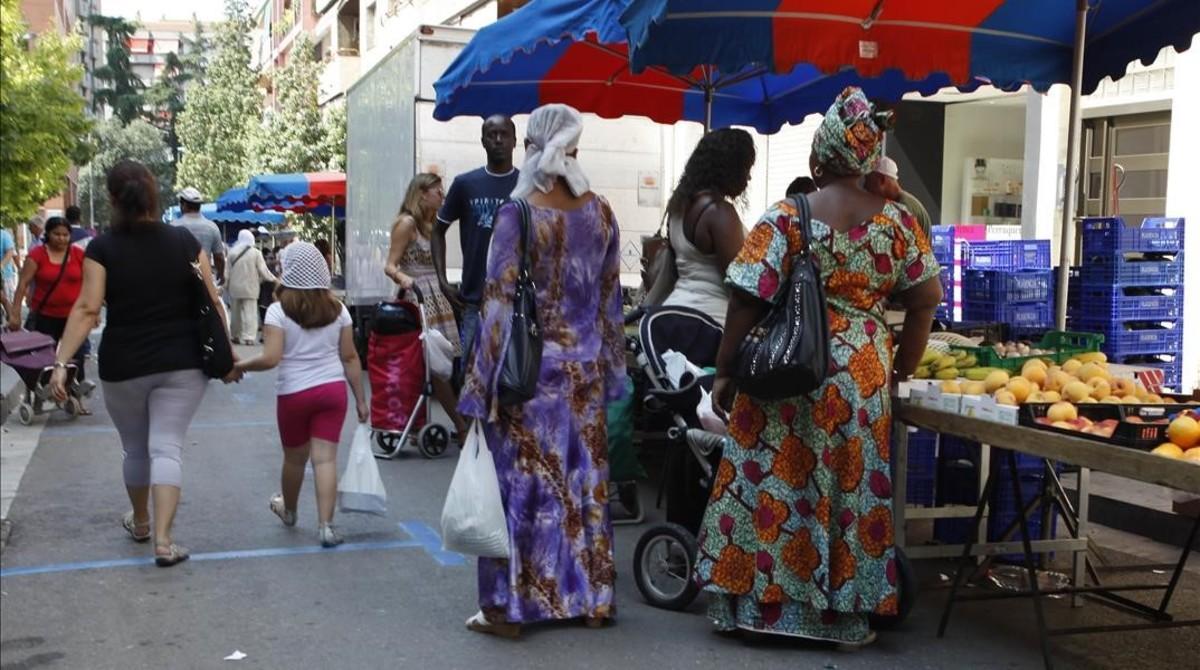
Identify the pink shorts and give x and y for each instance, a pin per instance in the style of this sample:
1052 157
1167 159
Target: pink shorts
318 412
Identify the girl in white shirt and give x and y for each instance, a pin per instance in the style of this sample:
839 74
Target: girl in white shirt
307 335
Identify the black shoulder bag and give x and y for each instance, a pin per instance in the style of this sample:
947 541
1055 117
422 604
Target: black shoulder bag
787 354
216 353
522 362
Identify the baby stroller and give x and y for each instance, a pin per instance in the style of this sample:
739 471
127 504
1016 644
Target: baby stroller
401 386
31 355
665 555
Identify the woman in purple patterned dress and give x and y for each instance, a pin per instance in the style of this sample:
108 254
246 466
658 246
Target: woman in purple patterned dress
551 453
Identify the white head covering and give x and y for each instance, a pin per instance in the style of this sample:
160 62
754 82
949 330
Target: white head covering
553 132
887 167
245 239
304 267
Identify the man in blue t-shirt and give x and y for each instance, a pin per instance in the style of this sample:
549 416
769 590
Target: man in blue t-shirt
472 201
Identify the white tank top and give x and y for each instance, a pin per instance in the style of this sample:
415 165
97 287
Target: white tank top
701 284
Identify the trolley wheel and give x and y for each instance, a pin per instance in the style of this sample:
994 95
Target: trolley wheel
388 442
25 414
662 566
433 440
906 586
73 407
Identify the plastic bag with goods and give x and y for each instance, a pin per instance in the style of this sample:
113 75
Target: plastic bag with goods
360 488
473 520
440 353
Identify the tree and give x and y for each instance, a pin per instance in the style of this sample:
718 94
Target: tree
333 147
221 118
126 92
167 96
43 125
294 137
139 141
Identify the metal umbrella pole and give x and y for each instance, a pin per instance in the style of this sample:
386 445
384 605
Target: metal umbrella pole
1066 250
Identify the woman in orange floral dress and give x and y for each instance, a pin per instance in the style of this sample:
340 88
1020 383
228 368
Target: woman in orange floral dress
797 537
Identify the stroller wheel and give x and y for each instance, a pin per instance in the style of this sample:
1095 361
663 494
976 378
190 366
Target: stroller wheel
433 440
388 442
662 566
73 407
25 414
906 586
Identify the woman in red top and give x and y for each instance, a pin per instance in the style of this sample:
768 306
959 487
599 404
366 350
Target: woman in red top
56 270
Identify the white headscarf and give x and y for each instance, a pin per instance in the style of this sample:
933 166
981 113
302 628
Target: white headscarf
553 132
245 239
304 267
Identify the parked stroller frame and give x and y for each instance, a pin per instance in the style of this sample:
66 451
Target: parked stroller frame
665 556
31 355
432 439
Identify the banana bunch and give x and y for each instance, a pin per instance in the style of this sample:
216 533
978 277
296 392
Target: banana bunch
935 365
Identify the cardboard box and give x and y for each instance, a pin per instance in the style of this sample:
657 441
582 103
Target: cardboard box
971 405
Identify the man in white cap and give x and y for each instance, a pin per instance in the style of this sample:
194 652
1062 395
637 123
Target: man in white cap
884 181
205 231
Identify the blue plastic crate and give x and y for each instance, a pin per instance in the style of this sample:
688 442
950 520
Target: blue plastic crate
1007 255
1003 510
1132 270
1124 338
957 449
1024 316
922 452
1171 363
1007 286
943 242
920 490
1106 235
1125 303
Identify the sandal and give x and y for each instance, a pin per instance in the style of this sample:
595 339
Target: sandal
288 517
855 646
480 624
131 527
596 621
175 554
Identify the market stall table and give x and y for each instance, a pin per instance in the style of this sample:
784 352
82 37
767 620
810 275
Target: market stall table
1087 455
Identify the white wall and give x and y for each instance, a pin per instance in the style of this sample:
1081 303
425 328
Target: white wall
985 129
1183 199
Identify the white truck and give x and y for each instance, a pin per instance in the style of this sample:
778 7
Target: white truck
391 135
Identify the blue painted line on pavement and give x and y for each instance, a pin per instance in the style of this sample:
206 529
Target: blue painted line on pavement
423 537
431 542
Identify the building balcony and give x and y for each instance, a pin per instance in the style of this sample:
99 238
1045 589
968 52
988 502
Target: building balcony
339 74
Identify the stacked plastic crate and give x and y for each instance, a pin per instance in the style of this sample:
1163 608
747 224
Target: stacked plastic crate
943 250
922 467
958 477
1011 282
1131 291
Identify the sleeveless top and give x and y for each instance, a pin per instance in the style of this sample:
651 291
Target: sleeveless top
701 284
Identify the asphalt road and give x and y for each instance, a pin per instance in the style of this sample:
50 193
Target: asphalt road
78 594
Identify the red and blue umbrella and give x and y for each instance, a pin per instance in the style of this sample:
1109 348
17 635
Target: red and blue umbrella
1009 42
575 52
317 193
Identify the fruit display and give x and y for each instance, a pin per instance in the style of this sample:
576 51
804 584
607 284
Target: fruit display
1183 435
1016 349
936 365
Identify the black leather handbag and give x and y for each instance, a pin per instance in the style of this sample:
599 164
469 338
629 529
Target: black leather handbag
787 353
216 352
522 362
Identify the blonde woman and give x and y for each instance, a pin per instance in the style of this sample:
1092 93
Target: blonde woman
410 264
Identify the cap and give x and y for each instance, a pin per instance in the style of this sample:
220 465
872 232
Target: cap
190 194
304 267
887 167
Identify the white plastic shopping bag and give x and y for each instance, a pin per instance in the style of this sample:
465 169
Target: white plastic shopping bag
473 520
361 489
708 416
440 354
678 365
